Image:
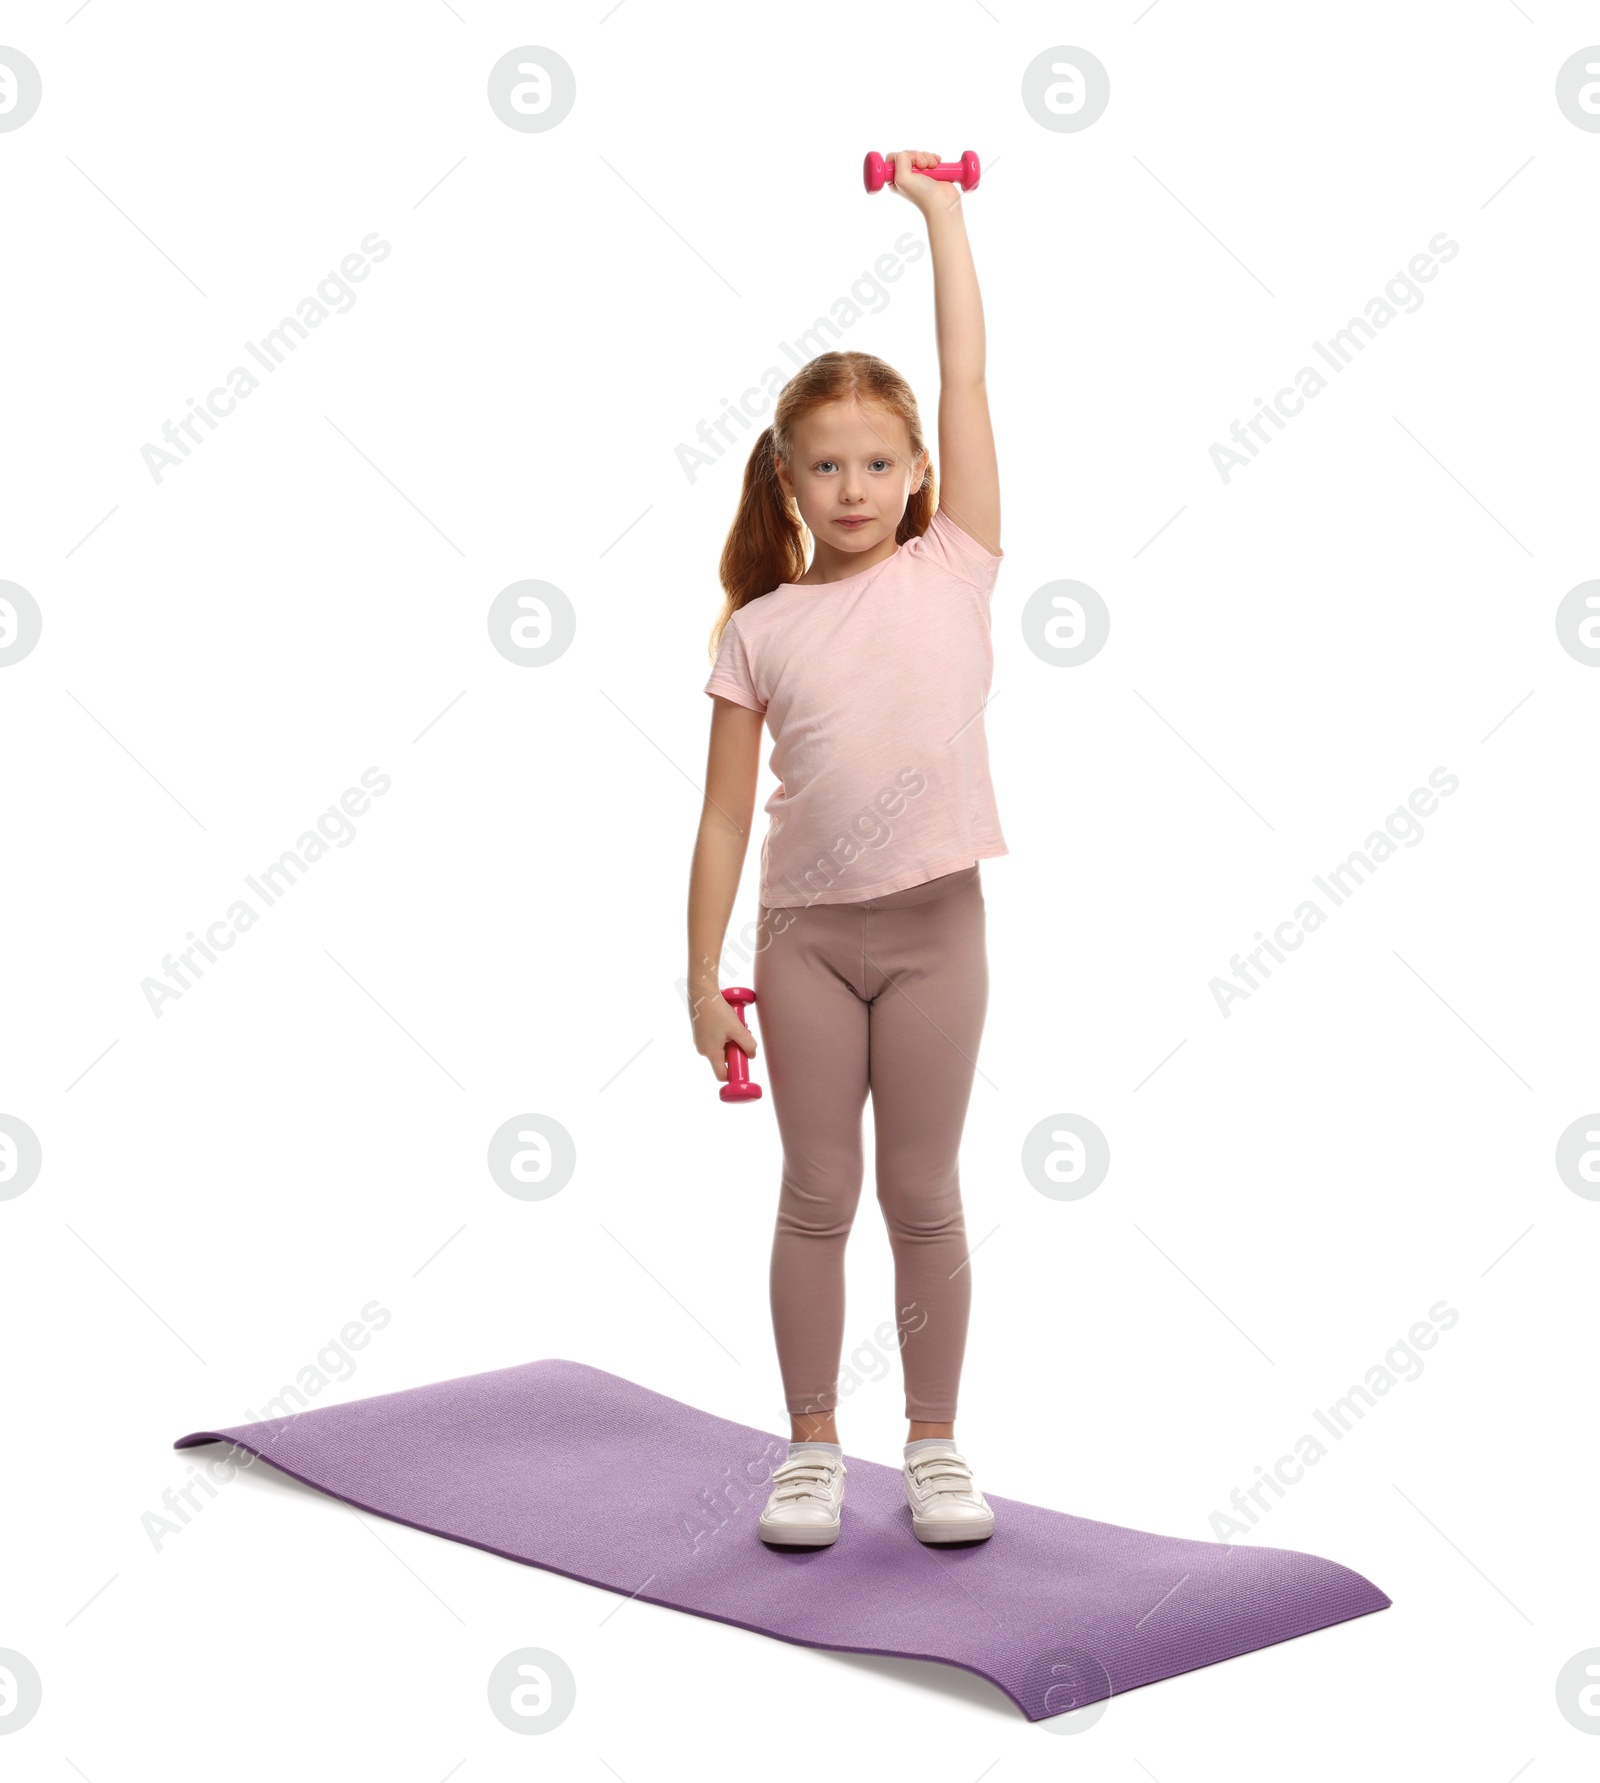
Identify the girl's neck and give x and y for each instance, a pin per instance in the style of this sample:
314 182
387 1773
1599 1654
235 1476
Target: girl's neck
840 566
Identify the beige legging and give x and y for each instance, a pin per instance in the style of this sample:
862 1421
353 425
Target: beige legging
889 995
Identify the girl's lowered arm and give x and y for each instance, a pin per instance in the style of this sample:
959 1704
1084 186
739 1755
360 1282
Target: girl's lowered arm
732 766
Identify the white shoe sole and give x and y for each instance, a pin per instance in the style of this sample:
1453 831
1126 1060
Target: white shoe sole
799 1535
934 1530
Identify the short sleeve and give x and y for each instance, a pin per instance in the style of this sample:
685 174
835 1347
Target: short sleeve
732 675
959 554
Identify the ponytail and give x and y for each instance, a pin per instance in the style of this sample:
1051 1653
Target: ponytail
766 542
919 508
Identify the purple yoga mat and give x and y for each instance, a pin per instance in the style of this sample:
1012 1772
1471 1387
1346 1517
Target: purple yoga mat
568 1467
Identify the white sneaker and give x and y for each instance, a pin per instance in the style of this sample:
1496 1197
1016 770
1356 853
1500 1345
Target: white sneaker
807 1496
946 1505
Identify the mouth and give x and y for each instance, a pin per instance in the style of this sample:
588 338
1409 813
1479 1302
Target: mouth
853 522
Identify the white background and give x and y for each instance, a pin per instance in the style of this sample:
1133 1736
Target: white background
224 652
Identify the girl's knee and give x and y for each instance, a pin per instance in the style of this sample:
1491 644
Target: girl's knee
819 1203
921 1201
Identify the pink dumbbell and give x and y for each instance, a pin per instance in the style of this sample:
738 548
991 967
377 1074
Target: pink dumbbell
878 173
739 1088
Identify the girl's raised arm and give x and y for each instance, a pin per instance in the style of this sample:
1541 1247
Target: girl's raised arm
969 477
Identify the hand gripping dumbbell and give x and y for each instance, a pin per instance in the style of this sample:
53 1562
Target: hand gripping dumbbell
739 1088
878 173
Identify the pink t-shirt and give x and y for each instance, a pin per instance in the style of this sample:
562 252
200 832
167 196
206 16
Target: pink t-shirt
874 688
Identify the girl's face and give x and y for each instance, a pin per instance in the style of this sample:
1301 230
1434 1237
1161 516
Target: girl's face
852 475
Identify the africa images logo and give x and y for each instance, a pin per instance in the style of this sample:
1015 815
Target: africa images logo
1339 350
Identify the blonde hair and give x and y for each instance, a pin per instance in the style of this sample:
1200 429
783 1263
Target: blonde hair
766 542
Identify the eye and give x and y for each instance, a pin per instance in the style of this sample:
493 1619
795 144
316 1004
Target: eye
883 461
822 464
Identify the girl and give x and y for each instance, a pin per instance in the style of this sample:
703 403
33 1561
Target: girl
871 667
